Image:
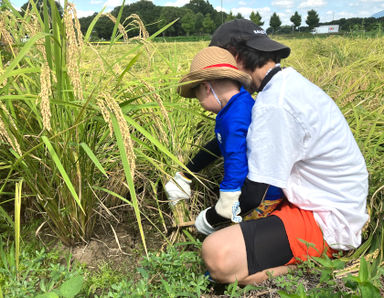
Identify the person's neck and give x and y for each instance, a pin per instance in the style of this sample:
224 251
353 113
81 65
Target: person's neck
259 73
225 92
226 95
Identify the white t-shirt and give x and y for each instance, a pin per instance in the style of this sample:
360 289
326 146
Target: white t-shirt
300 141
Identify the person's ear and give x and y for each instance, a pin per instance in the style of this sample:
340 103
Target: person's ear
206 88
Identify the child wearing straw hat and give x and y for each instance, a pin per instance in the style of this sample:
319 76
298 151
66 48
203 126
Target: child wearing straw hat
220 86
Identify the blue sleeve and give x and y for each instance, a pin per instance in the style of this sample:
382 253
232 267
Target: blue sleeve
274 193
234 131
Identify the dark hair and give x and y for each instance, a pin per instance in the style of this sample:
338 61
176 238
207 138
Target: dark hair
250 57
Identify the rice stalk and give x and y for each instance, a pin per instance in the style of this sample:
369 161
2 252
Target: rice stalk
17 222
164 113
353 267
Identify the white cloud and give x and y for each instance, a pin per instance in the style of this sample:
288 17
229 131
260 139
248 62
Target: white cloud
219 8
242 3
283 3
344 14
177 3
113 3
312 3
245 11
95 2
265 12
84 13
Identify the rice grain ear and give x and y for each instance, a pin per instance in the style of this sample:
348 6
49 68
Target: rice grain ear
74 47
114 108
45 93
119 26
6 39
9 138
137 22
104 112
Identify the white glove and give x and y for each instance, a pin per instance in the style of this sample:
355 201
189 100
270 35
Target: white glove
178 188
202 224
228 205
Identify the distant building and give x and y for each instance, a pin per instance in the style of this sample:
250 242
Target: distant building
326 29
379 14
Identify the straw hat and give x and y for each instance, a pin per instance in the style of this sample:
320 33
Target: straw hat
211 63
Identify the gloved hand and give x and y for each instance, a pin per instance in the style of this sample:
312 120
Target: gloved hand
228 205
178 188
202 224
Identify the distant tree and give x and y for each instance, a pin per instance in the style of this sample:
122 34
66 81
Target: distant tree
188 22
85 22
220 17
169 14
40 7
275 22
104 28
230 17
285 29
239 16
199 23
208 24
296 20
256 18
200 6
312 19
146 10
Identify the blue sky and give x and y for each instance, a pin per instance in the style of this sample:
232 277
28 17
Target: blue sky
327 9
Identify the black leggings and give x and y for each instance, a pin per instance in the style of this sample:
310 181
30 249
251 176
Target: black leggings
266 243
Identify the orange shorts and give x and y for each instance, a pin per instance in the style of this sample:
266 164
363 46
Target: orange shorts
304 235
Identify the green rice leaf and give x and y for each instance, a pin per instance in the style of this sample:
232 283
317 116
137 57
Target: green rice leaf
113 37
155 141
92 25
93 157
62 171
128 176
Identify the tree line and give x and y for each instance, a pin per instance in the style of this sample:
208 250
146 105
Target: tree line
198 17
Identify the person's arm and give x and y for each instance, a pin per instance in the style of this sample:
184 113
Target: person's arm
179 186
208 154
231 130
252 194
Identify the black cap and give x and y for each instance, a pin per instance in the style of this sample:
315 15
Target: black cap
255 37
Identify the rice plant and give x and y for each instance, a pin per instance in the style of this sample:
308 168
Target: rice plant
69 132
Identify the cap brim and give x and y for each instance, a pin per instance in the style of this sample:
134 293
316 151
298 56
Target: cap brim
192 79
268 45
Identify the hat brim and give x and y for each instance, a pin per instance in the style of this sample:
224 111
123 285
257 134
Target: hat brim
268 45
193 79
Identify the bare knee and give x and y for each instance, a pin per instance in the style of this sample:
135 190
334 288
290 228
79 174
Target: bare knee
216 259
222 259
